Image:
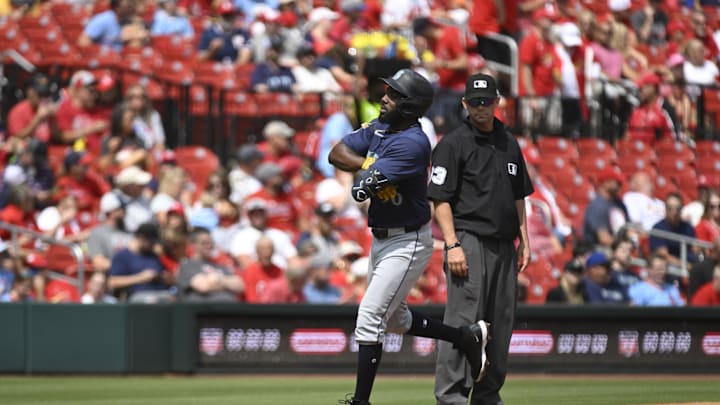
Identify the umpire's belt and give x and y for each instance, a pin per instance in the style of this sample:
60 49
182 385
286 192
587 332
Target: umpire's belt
384 233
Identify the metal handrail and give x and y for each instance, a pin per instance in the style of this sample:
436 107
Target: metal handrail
75 249
512 69
684 242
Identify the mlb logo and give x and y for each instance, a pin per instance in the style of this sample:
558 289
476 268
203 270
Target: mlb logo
480 84
211 341
512 169
628 342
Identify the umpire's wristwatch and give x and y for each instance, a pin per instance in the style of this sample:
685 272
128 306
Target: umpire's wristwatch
453 246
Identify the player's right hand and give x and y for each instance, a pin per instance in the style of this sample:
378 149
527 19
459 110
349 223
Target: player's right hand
457 264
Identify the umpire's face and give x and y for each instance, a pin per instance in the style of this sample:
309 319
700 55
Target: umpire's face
481 111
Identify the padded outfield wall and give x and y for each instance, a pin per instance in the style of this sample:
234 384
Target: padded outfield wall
200 338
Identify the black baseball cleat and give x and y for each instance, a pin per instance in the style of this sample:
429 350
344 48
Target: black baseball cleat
473 341
349 400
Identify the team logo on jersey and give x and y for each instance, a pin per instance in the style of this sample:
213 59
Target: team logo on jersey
512 169
438 176
369 160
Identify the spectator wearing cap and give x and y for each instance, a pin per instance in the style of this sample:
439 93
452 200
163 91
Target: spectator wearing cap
261 271
310 77
599 285
223 40
655 290
129 186
107 93
450 63
76 117
110 235
168 21
673 223
278 141
35 116
539 69
283 208
201 279
318 289
650 23
243 244
323 234
123 147
270 76
106 28
698 69
146 120
606 214
320 21
136 271
570 289
241 179
649 122
64 221
642 206
80 179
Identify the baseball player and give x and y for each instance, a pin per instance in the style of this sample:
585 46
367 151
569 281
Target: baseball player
393 155
478 187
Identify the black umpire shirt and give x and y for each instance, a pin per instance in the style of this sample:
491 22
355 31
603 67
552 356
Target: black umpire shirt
481 174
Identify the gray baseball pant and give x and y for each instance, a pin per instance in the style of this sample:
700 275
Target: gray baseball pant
396 263
488 293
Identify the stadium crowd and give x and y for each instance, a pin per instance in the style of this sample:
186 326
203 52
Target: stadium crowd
90 162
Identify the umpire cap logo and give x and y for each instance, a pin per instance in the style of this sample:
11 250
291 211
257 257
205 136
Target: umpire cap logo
480 84
438 176
512 169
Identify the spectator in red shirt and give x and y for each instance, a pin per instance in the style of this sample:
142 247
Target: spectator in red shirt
282 207
82 181
709 293
288 289
35 116
708 229
451 65
649 122
20 211
76 116
259 273
539 70
278 141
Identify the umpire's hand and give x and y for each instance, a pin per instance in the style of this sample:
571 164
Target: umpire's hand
456 262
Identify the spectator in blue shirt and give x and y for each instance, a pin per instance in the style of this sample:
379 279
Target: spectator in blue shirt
7 275
223 40
270 76
606 214
167 21
668 249
138 270
655 290
341 123
600 286
107 28
318 290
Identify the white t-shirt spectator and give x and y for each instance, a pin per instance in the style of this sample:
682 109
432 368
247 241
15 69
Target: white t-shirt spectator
245 240
643 210
703 75
319 80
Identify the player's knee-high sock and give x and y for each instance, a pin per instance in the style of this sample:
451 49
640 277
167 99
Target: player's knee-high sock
432 328
368 361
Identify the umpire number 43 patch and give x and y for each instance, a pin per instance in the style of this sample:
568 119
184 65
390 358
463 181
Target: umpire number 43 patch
438 176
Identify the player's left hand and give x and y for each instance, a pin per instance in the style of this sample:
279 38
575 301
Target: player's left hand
523 254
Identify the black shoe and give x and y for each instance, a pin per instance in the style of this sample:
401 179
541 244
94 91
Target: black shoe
473 340
349 400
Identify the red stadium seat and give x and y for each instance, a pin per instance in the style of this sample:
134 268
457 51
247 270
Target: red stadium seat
240 103
664 186
687 181
708 166
674 150
199 101
215 74
173 47
707 149
557 146
57 291
540 274
669 166
199 162
594 147
590 166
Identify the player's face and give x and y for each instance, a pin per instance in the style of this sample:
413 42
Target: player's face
481 111
388 106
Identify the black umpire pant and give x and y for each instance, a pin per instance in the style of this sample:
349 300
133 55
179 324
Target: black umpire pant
488 293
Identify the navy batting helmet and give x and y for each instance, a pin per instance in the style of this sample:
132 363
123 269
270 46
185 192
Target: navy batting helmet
417 90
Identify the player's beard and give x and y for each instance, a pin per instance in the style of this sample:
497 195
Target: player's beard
390 117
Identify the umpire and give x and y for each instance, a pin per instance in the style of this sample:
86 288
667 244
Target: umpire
478 186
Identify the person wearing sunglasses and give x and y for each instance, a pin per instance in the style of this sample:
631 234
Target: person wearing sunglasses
478 186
